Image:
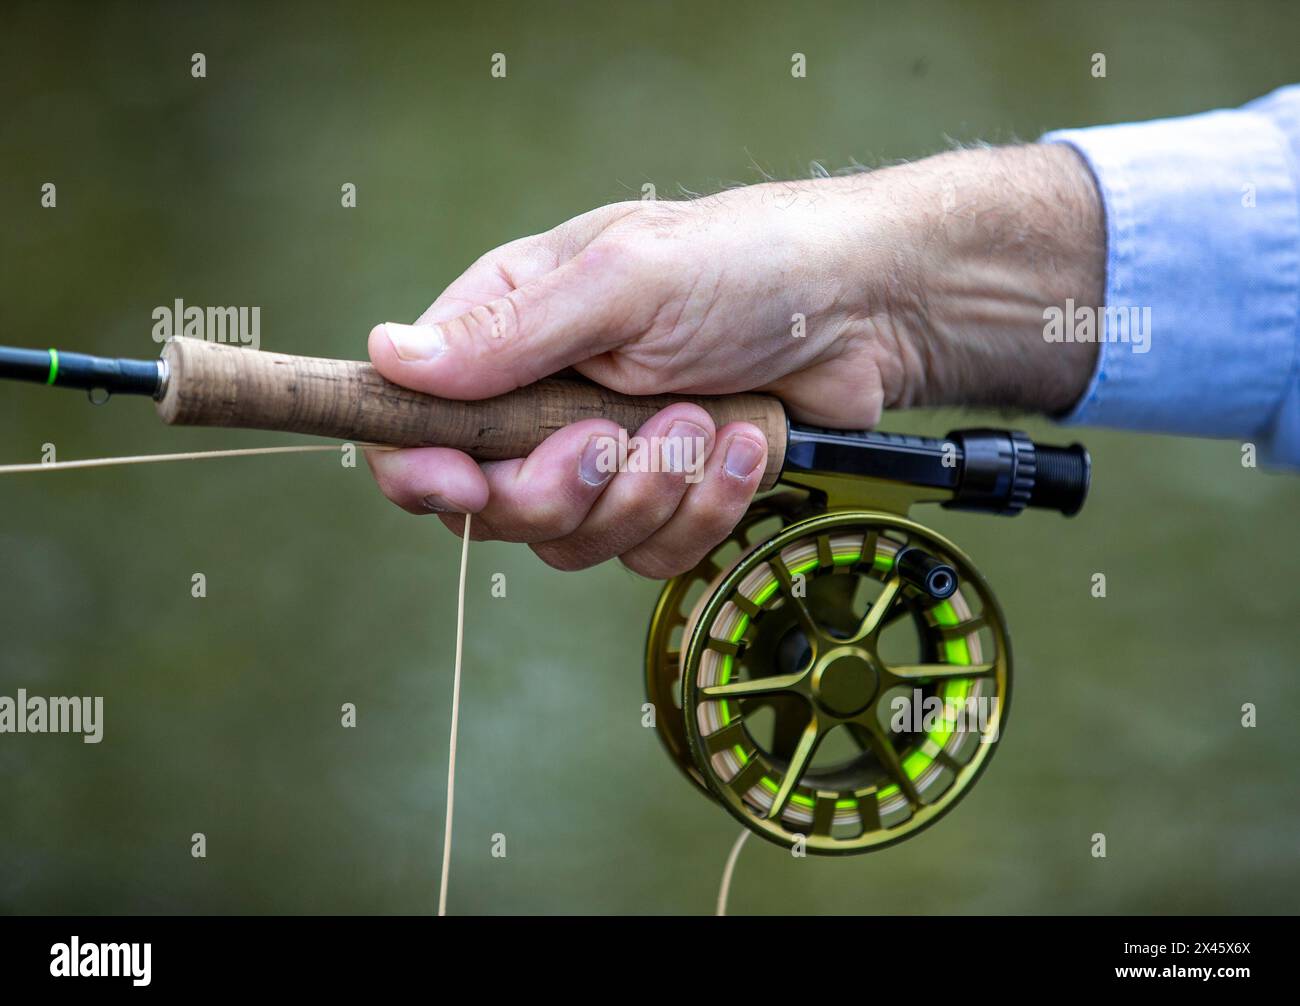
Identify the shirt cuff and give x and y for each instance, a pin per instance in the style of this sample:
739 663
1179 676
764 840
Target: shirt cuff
1202 275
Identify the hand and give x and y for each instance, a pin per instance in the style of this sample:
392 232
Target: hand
915 285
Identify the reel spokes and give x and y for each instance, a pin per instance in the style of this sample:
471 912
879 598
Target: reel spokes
804 715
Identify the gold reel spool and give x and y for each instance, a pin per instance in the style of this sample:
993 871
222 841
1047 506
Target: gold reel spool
824 699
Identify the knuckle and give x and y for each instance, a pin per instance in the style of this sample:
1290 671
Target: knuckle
716 526
503 319
549 519
461 332
654 564
487 327
615 253
562 558
658 497
661 505
715 516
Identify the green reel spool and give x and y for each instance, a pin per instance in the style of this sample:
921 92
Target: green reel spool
819 696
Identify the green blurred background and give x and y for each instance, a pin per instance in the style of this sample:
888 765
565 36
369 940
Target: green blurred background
222 714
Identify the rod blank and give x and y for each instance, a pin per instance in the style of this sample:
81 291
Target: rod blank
79 370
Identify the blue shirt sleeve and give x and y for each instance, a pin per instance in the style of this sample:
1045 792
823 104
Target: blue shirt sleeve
1201 332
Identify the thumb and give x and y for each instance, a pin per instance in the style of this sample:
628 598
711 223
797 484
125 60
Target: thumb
585 307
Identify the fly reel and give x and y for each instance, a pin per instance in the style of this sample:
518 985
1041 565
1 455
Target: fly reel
834 674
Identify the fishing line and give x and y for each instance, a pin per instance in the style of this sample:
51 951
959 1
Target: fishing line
144 459
455 722
728 872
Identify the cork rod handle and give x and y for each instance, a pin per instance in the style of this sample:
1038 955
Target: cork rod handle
211 384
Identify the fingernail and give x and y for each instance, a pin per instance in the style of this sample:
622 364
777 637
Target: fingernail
440 504
598 461
415 342
683 447
743 456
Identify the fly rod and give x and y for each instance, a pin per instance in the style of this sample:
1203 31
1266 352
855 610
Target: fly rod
785 624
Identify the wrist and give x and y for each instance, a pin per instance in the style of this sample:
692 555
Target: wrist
983 243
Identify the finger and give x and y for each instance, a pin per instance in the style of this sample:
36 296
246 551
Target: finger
710 508
549 493
664 458
519 262
585 307
494 275
430 480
